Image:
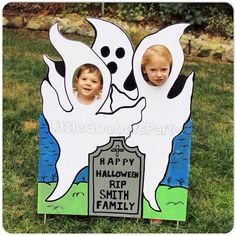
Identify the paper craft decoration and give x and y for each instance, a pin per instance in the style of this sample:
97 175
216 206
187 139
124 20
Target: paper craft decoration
126 154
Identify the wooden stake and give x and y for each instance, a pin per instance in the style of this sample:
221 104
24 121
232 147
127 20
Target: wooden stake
103 9
44 219
177 225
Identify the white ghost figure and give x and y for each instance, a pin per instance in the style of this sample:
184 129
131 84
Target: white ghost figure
79 128
163 118
114 47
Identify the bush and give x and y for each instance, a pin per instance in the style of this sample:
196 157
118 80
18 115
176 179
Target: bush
220 24
172 13
36 8
214 18
132 11
85 9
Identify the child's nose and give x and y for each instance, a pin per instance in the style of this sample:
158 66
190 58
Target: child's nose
159 74
88 82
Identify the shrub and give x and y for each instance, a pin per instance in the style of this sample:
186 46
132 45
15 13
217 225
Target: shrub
173 13
85 9
220 24
132 11
214 18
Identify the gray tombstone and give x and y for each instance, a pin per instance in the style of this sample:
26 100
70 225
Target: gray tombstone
116 173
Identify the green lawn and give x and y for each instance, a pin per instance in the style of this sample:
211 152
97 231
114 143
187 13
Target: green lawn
210 195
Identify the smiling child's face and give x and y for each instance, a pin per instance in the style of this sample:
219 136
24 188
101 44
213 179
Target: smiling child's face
89 85
157 70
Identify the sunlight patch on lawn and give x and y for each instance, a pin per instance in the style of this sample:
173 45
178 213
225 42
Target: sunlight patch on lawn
29 125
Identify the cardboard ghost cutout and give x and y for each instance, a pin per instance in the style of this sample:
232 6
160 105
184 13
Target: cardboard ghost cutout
109 138
118 59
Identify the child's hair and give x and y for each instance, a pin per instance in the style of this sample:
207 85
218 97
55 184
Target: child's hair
153 50
91 68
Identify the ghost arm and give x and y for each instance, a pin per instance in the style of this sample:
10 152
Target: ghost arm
126 117
51 104
182 103
58 83
186 94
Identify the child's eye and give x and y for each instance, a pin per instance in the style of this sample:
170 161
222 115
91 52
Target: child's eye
94 81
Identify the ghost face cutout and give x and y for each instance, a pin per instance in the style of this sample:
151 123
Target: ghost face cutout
114 47
87 84
156 65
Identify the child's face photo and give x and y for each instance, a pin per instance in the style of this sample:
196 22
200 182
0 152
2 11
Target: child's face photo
89 84
157 70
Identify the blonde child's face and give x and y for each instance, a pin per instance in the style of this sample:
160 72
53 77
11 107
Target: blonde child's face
89 85
157 70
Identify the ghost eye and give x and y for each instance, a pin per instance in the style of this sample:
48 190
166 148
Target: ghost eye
120 52
105 51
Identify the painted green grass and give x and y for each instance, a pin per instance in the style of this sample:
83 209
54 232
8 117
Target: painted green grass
172 202
210 194
75 202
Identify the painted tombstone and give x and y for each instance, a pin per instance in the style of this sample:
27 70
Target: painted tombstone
115 130
116 180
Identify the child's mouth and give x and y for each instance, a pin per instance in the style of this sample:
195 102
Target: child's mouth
159 81
87 89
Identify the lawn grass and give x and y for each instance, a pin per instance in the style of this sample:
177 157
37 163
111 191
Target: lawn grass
210 195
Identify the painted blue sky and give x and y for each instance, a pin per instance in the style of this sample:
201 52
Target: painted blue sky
177 171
